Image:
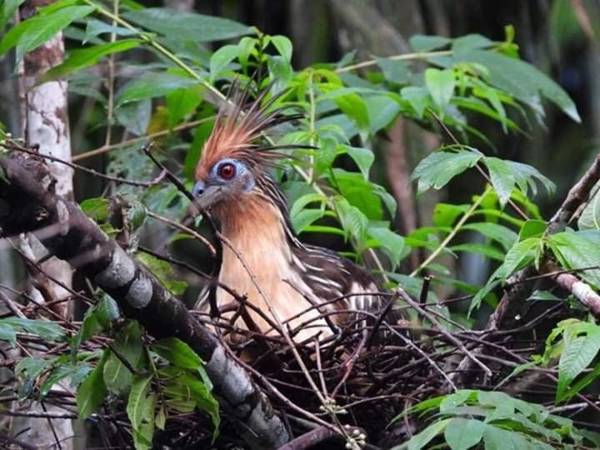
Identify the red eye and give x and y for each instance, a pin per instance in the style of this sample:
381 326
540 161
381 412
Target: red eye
226 171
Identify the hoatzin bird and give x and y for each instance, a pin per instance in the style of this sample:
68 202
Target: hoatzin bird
264 260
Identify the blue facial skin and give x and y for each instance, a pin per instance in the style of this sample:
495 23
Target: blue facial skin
242 181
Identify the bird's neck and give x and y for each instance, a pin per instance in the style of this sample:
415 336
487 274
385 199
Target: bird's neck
254 231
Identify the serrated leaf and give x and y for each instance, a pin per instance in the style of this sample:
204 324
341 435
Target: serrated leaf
437 169
578 250
86 57
462 434
576 356
502 178
520 255
352 219
441 84
197 27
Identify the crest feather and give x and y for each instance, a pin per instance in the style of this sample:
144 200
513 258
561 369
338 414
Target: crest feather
236 130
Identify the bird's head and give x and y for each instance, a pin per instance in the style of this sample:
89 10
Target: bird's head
232 162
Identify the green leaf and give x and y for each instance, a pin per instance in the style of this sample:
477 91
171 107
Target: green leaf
462 434
420 440
352 219
151 85
86 57
363 157
421 43
577 355
117 376
196 27
96 319
417 97
391 242
92 392
527 176
499 439
445 214
177 353
590 216
305 218
502 178
61 371
203 398
181 103
30 34
394 71
382 111
470 42
8 10
221 59
499 233
50 331
578 250
364 195
440 167
140 410
97 209
164 272
482 249
520 79
520 255
354 107
441 84
532 228
8 333
283 46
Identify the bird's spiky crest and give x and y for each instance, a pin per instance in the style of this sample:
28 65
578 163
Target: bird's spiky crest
237 129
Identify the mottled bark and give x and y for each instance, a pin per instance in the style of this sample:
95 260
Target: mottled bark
28 204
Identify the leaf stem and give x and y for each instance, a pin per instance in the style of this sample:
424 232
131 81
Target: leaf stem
402 57
452 233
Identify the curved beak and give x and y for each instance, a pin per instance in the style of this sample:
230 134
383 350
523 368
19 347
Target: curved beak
206 195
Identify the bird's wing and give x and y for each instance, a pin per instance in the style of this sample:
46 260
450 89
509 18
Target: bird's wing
334 279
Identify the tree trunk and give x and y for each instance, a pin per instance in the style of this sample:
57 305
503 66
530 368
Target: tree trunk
46 126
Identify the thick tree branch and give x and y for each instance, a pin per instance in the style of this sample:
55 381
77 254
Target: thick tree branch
28 204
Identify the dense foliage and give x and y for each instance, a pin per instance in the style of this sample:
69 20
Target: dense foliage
165 85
